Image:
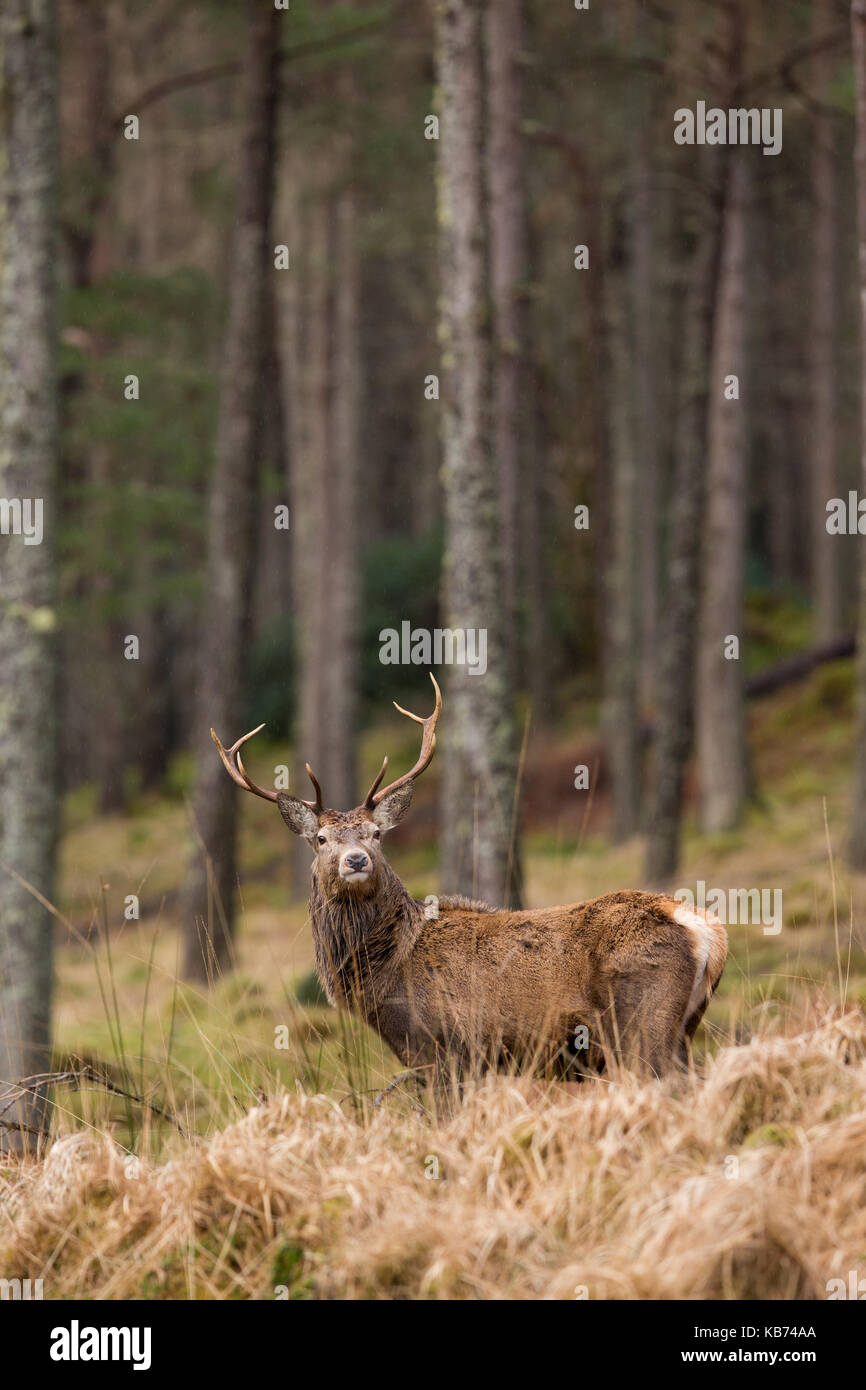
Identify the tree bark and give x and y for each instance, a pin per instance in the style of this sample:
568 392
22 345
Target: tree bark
319 350
479 842
644 248
620 710
678 629
599 366
857 842
534 541
676 677
720 715
826 554
782 477
208 895
509 267
631 542
107 746
342 591
86 131
29 792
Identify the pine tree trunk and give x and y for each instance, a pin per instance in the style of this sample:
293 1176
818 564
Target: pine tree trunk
782 487
534 545
633 476
509 266
108 668
273 581
342 645
720 714
857 843
678 633
478 842
318 304
620 711
86 131
208 895
826 553
646 384
28 458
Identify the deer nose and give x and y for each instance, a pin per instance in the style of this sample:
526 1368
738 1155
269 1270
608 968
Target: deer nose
357 862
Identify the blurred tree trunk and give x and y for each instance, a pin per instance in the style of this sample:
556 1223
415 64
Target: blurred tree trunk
678 628
273 585
342 589
318 315
534 542
826 553
781 477
678 632
720 712
208 893
154 715
533 537
857 843
109 669
599 390
154 740
509 273
478 840
86 160
645 359
305 331
86 130
630 390
620 711
28 458
337 634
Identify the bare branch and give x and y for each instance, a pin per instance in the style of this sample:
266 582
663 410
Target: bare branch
231 68
75 1079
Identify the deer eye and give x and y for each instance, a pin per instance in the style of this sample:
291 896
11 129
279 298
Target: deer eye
376 833
321 839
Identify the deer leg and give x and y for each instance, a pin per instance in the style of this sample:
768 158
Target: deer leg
645 1034
448 1081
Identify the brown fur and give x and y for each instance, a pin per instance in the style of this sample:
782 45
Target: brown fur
482 986
625 977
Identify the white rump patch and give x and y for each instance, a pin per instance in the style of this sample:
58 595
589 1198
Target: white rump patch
697 924
687 917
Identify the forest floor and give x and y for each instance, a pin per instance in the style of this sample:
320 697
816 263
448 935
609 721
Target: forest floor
287 1182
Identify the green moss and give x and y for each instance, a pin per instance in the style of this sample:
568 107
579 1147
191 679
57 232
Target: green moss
287 1271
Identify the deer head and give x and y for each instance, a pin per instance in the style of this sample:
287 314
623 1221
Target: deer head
347 844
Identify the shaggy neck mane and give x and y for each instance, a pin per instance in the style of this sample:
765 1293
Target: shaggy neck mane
359 940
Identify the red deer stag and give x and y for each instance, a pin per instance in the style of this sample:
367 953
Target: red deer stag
627 975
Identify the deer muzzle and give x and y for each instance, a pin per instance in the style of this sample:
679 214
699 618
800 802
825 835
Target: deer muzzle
355 866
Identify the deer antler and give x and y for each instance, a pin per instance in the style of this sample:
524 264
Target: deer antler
428 745
233 764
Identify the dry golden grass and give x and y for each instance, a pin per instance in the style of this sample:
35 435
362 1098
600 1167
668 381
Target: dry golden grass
746 1182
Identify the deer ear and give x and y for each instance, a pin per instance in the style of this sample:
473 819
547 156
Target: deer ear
299 817
393 807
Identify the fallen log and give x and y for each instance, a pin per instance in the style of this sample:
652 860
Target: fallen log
798 666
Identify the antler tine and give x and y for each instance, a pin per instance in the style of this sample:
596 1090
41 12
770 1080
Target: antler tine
317 804
233 764
428 745
368 800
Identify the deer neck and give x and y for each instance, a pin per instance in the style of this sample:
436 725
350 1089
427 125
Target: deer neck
361 942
